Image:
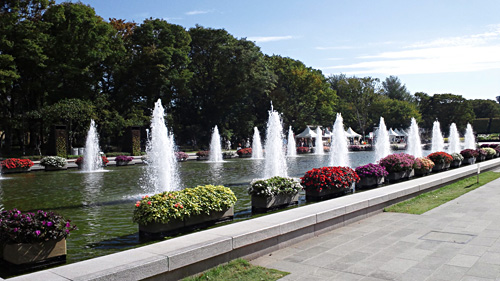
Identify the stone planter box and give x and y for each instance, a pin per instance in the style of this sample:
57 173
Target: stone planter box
421 173
15 170
409 174
368 182
27 256
52 168
481 158
469 161
264 203
188 224
439 167
122 163
202 158
488 157
396 176
325 193
245 156
456 163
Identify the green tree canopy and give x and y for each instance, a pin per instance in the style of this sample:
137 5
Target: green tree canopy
392 88
485 108
446 108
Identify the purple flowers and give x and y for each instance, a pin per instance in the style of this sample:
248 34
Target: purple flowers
37 232
397 162
123 158
371 170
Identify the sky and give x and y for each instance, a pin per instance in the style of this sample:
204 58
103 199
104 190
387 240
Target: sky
436 47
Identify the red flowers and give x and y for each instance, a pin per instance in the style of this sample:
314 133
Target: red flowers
13 163
440 157
329 177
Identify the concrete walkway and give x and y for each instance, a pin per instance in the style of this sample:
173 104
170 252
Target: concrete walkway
456 241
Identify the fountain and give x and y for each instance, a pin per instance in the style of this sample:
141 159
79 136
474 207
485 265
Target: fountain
339 152
437 138
453 140
470 141
291 151
92 160
275 161
257 152
162 174
382 141
414 143
215 147
318 146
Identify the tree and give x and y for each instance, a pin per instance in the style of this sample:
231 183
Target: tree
485 108
446 108
396 113
392 88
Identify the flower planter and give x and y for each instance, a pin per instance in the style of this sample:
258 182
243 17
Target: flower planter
245 156
455 163
409 174
201 158
52 168
481 158
15 170
396 176
224 156
264 203
438 167
180 226
469 161
367 182
24 256
488 157
122 163
324 194
421 173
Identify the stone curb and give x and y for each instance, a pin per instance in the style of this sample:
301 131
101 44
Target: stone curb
196 252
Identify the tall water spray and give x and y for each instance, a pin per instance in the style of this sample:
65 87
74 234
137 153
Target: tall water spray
275 161
470 140
162 172
437 138
453 139
339 152
92 160
291 150
382 141
257 152
215 147
414 144
318 146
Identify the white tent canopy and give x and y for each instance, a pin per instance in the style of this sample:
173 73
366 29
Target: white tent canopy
401 133
350 133
393 134
307 133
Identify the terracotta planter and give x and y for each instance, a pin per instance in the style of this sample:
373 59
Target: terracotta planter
264 203
368 182
179 226
52 168
325 193
24 256
469 161
15 170
456 163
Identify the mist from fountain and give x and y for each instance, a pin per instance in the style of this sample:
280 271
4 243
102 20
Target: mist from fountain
92 160
291 150
470 140
414 143
257 152
318 145
453 139
215 154
437 138
162 171
382 141
275 161
339 152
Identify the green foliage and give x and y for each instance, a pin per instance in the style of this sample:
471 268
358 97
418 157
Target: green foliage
274 186
495 125
178 205
61 147
485 108
396 113
447 108
393 89
481 125
114 154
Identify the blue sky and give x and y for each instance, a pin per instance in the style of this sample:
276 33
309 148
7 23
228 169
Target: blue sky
432 46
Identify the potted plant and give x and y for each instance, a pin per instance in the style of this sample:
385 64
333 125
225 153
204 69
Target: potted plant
423 166
441 160
303 150
481 154
244 152
123 160
370 175
490 152
274 192
202 155
399 165
181 156
326 148
497 150
328 182
52 163
16 165
30 239
469 156
79 161
172 212
457 160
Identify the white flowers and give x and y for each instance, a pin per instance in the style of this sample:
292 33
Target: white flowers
53 161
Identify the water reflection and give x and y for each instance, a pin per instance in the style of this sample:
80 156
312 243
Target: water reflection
91 192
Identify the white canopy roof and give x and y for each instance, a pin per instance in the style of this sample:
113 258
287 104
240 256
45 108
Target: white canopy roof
307 133
392 133
401 132
351 134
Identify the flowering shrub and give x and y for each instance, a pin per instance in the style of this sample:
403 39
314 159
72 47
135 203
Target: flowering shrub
274 186
302 149
371 170
53 161
13 163
423 164
481 152
204 153
397 162
469 153
181 155
16 227
179 205
124 158
489 151
440 157
457 157
79 160
244 151
329 178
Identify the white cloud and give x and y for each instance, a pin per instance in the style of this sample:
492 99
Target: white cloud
335 48
263 39
198 12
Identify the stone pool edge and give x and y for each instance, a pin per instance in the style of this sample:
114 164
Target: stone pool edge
196 252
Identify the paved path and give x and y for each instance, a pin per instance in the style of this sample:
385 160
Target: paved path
456 241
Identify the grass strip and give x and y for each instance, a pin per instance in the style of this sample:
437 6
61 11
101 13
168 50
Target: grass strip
240 270
430 200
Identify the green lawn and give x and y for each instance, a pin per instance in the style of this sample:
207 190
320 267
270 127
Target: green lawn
240 270
430 200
